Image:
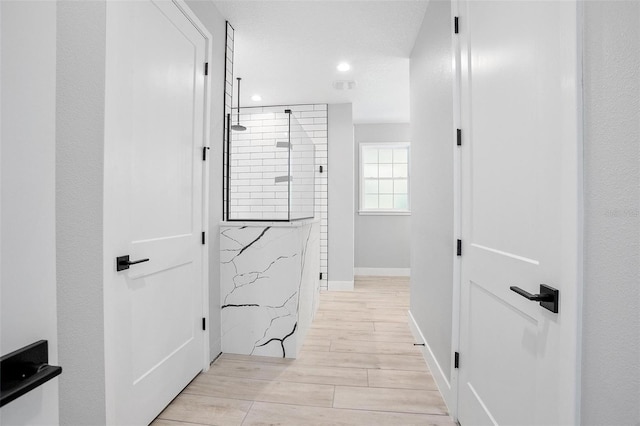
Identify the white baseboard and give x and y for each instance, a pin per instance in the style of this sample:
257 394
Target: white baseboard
383 272
444 386
340 285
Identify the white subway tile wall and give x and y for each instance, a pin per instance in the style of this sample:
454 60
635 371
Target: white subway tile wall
263 188
257 185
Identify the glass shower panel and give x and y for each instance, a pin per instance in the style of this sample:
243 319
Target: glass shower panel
302 183
271 169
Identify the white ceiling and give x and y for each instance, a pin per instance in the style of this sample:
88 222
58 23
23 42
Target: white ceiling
287 51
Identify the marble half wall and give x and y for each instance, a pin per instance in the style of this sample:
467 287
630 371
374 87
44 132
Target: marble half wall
269 284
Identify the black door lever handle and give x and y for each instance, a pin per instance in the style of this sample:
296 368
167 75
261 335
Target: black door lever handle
548 296
123 262
537 297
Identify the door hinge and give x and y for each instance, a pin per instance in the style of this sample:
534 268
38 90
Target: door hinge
456 25
321 169
204 324
204 153
459 137
203 240
456 360
206 68
459 248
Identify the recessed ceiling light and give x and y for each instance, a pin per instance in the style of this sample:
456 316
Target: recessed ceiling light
256 98
343 67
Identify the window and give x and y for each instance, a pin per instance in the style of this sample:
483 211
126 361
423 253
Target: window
384 178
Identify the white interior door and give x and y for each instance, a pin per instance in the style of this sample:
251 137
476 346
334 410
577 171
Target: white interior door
153 207
520 185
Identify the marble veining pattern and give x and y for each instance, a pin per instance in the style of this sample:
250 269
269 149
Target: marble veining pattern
269 287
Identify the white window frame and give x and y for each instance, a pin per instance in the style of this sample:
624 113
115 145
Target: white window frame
383 212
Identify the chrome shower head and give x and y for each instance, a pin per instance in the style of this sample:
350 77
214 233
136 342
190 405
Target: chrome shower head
238 127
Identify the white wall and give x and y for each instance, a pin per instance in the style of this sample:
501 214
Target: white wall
215 23
382 241
611 310
28 270
432 139
341 196
79 209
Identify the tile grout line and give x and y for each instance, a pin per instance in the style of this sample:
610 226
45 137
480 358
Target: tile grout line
353 409
247 413
391 411
348 368
178 421
304 365
261 400
303 383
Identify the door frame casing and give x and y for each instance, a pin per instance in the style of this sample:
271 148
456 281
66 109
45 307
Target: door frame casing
580 206
457 212
457 216
204 250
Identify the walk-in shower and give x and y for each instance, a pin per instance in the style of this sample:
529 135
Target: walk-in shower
270 168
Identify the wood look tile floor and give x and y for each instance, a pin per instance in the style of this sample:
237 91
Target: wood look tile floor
358 366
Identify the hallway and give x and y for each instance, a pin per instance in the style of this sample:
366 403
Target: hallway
358 366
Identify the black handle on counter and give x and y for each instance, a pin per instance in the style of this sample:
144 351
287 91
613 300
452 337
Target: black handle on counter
24 370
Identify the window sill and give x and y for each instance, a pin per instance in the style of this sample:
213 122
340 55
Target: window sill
383 213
